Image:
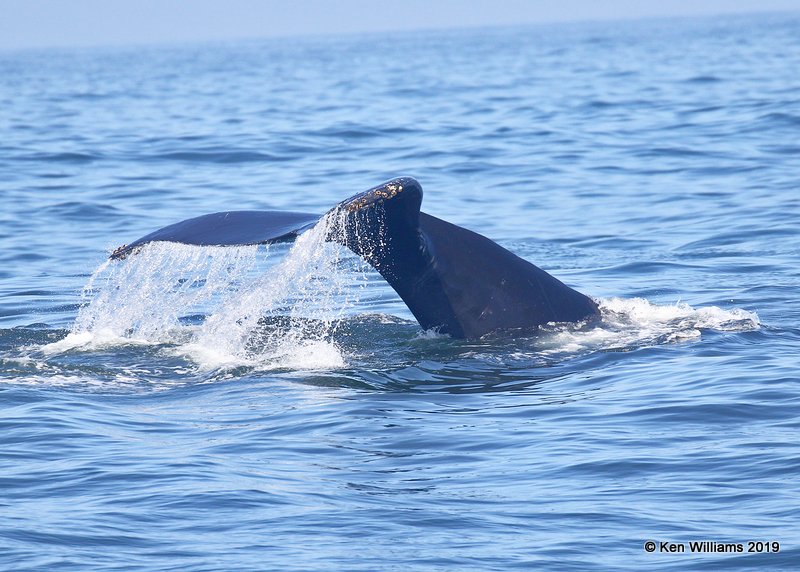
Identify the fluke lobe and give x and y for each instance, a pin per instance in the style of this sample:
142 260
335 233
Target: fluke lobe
453 280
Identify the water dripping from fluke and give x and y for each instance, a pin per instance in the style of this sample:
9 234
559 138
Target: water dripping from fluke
257 310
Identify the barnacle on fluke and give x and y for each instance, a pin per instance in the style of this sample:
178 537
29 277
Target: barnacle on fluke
373 196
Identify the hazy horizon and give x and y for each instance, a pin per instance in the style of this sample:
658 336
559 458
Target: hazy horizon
31 24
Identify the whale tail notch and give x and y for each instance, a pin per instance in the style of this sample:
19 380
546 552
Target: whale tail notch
453 280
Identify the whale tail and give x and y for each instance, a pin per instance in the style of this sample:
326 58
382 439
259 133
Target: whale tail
453 280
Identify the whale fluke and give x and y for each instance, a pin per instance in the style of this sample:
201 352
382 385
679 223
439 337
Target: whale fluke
229 228
453 280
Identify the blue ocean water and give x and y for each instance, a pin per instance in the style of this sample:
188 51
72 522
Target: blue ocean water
278 408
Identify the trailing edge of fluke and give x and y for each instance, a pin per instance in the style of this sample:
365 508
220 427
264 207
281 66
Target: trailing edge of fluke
453 280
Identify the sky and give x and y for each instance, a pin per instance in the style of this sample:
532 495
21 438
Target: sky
78 23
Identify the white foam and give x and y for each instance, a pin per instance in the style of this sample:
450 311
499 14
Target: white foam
432 334
89 341
636 322
307 355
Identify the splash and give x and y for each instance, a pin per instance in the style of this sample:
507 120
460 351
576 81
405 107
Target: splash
225 306
289 315
636 322
233 307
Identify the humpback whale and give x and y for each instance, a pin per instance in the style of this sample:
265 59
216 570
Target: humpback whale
453 280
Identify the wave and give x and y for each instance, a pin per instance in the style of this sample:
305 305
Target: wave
218 156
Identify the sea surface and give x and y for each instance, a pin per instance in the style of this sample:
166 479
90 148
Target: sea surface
278 408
